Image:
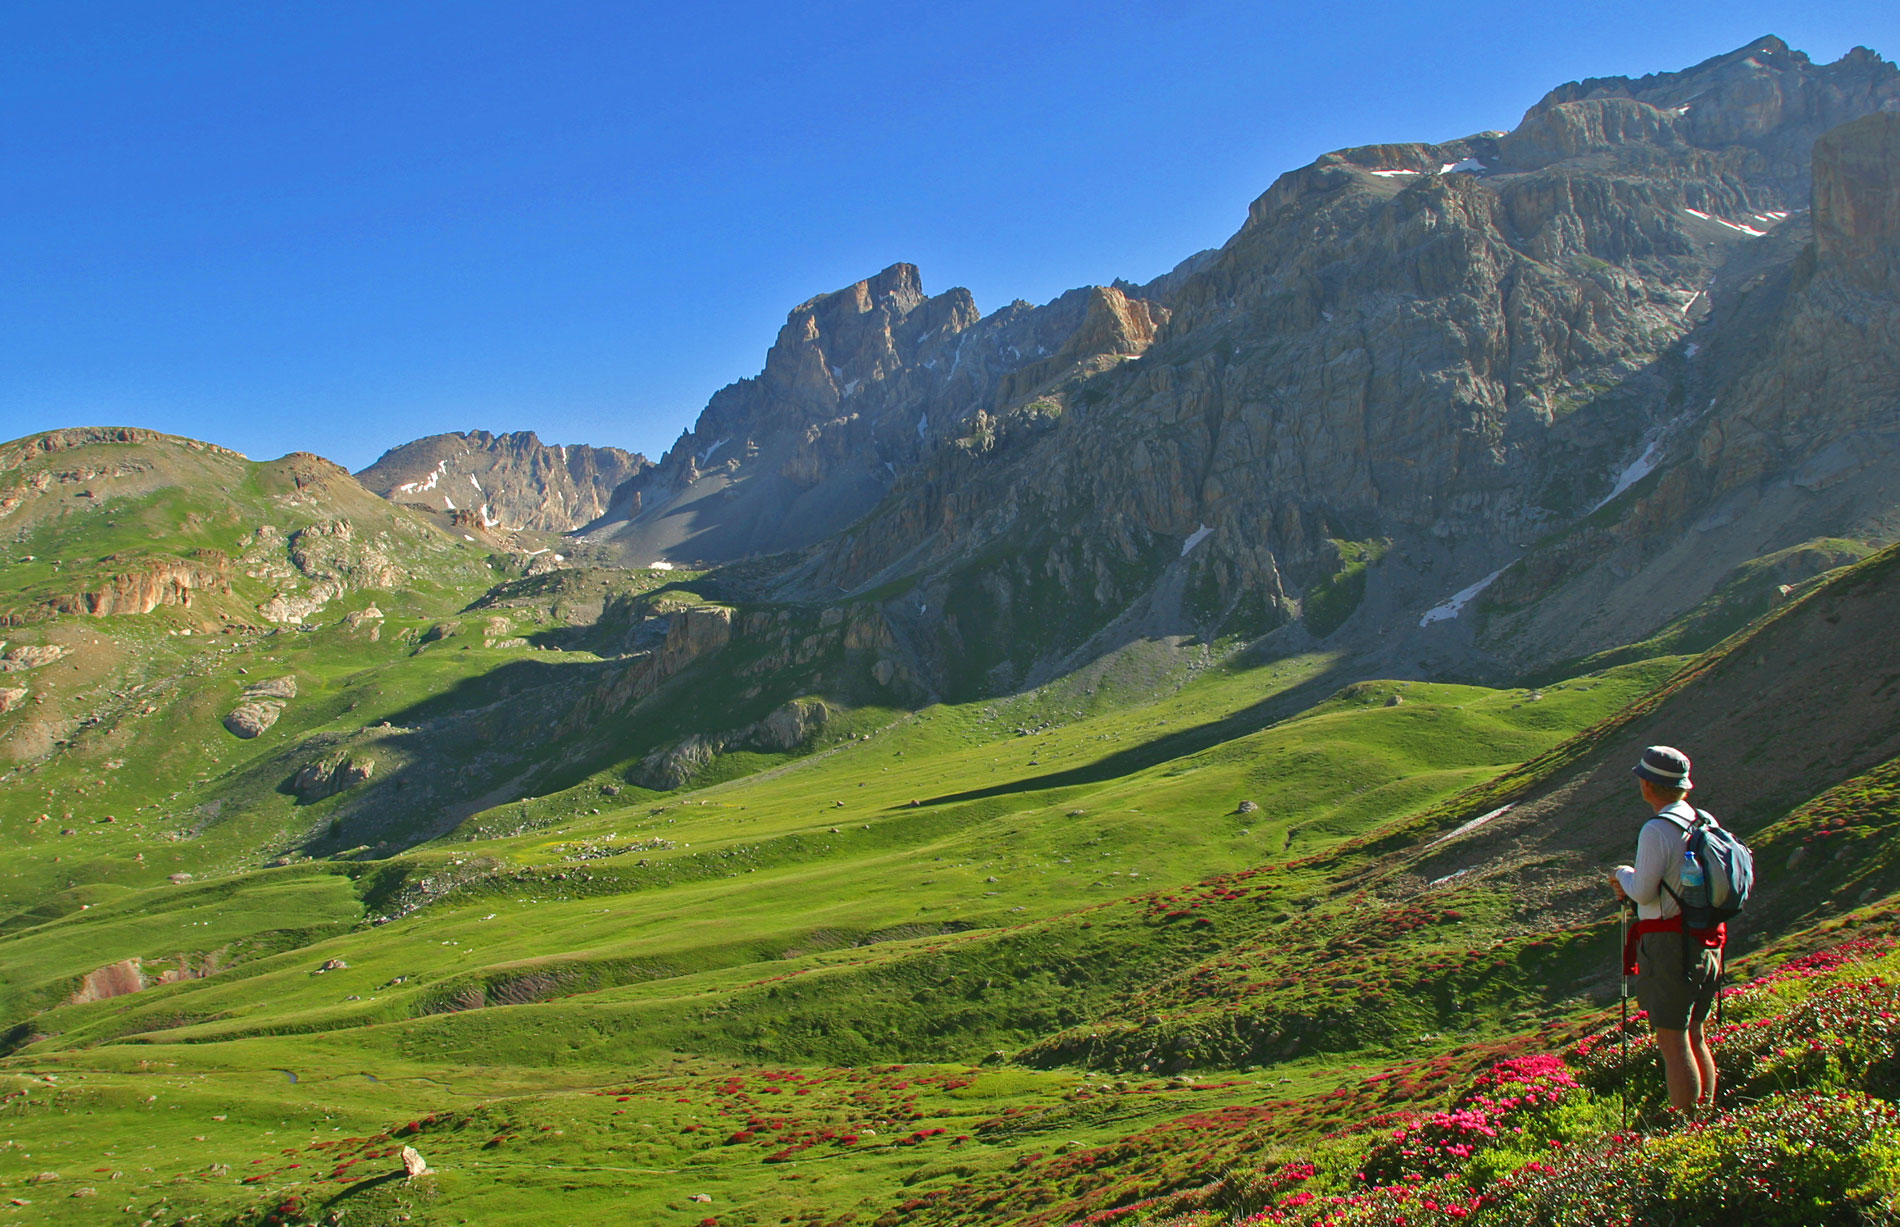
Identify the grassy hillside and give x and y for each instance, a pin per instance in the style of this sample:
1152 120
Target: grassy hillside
1182 937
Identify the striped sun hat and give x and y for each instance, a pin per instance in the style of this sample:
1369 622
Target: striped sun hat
1664 765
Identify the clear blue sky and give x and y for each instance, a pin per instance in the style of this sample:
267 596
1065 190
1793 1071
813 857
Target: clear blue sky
338 226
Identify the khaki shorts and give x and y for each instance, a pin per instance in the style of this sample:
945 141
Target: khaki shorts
1670 997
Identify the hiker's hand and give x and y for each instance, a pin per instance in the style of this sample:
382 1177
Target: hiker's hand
1616 883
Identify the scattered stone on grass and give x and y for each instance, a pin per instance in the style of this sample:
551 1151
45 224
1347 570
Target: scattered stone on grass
251 719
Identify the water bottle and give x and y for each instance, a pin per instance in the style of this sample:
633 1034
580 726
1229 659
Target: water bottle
1692 889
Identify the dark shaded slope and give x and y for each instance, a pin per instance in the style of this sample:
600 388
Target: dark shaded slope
1804 702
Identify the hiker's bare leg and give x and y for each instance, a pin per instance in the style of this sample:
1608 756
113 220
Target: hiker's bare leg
1685 1076
1704 1063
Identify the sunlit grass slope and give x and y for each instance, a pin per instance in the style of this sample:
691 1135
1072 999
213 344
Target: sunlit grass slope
933 888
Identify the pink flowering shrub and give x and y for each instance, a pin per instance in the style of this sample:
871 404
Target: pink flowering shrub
1507 1106
1816 1160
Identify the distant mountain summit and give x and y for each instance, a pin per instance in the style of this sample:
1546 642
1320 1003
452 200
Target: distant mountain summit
860 387
509 481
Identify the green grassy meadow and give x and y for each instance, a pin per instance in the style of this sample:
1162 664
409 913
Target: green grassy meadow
939 886
1127 948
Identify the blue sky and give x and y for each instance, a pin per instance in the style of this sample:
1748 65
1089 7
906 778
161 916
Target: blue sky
335 227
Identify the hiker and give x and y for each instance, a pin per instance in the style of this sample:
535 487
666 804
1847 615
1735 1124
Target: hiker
1676 970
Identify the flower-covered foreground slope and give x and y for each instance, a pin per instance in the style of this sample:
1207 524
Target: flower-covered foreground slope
1805 1131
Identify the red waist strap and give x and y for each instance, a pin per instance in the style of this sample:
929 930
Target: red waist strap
1714 939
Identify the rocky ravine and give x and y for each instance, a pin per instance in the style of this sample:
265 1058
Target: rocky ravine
508 481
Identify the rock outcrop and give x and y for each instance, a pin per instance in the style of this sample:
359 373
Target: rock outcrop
787 727
253 719
330 775
30 656
505 481
133 976
142 586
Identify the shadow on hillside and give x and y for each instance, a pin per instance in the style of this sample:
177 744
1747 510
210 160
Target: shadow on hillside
522 728
1251 719
362 1187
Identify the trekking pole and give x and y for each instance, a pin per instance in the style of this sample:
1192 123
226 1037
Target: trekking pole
1623 995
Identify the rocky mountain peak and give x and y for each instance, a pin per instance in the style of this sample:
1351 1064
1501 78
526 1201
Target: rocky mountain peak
860 386
1764 96
508 481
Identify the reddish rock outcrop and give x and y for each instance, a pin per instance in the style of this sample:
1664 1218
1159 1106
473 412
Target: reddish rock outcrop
148 585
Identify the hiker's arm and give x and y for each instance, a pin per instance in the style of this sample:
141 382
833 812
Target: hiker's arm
1643 881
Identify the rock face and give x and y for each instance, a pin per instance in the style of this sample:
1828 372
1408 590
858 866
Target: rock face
1857 198
860 386
505 481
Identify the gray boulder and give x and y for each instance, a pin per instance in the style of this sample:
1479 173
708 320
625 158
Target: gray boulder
252 719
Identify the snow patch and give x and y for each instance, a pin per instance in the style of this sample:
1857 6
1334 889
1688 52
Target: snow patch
1195 538
659 566
1636 470
707 454
1470 166
923 426
448 502
489 521
1740 227
1466 829
1393 174
1691 350
1454 604
423 487
837 373
852 386
476 484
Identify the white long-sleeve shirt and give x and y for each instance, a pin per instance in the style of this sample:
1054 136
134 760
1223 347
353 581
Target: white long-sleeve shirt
1659 847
